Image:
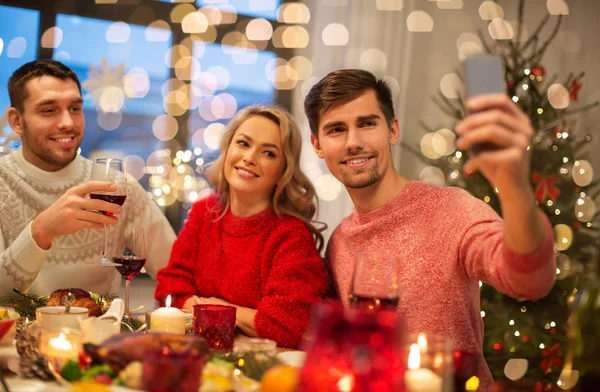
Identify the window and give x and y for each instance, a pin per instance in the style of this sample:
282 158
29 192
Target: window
18 45
257 8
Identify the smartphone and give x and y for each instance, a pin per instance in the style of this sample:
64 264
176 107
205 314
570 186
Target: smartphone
483 74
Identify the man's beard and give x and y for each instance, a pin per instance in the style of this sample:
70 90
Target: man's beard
43 152
361 180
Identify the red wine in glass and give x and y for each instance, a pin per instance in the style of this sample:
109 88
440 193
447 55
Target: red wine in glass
109 197
373 302
129 266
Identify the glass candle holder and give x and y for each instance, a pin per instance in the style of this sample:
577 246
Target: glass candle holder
429 363
216 324
59 346
353 350
166 370
255 345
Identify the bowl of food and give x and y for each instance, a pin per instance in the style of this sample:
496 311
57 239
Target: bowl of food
8 325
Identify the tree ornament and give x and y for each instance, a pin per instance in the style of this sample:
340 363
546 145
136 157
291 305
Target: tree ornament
551 358
545 187
574 88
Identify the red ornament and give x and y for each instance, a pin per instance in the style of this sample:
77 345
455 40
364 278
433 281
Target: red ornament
574 88
545 187
526 339
498 346
556 131
551 358
511 85
539 70
576 226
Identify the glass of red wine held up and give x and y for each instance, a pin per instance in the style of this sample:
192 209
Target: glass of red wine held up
129 255
113 171
375 282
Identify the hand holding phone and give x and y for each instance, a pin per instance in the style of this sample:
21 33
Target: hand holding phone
483 74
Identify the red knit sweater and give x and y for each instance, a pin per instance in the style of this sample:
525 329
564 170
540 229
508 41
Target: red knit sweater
263 262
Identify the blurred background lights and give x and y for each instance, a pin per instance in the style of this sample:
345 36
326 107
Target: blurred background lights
136 83
393 84
558 96
443 142
118 32
194 22
136 166
222 76
109 121
490 10
585 209
500 29
569 41
262 5
158 31
335 34
419 21
451 86
223 106
467 37
293 13
259 30
52 38
563 237
374 60
469 48
389 5
328 187
432 175
450 4
180 11
164 127
290 37
16 48
557 7
111 99
583 173
302 66
427 146
213 134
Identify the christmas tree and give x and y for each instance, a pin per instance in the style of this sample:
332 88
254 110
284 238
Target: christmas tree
532 334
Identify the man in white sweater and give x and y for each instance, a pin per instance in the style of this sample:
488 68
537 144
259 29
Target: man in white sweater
50 236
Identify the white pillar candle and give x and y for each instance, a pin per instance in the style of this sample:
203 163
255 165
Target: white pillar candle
417 379
168 319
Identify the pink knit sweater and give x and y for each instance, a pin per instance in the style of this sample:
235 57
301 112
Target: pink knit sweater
446 241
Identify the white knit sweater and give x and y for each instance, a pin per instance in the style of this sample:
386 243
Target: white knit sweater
72 260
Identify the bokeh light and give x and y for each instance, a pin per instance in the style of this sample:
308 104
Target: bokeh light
158 31
490 10
569 41
136 166
557 7
293 13
328 187
213 134
432 175
563 237
118 33
51 38
165 127
450 4
374 60
259 30
583 173
16 48
194 23
389 5
500 29
585 209
419 21
451 86
335 34
558 96
109 121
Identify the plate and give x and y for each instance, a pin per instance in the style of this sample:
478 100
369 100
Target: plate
19 385
292 358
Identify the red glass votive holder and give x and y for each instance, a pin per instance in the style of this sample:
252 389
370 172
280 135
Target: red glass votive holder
466 365
354 350
216 324
168 371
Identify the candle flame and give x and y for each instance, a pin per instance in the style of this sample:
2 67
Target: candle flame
168 301
422 341
61 343
414 357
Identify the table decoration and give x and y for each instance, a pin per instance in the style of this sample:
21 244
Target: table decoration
216 323
8 325
168 319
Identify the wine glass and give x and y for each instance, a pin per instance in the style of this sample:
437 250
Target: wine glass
129 256
375 281
109 170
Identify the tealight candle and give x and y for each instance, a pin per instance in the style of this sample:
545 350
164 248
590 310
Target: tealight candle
418 379
60 346
168 319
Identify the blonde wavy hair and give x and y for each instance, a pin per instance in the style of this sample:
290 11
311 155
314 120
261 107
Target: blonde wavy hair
294 194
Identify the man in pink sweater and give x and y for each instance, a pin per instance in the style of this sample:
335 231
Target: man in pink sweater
446 240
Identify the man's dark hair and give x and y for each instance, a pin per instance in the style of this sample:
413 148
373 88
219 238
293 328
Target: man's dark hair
342 86
17 84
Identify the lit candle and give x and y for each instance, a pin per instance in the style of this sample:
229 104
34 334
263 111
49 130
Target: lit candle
417 379
59 346
168 319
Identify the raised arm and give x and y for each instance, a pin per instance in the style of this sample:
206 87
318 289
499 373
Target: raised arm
22 260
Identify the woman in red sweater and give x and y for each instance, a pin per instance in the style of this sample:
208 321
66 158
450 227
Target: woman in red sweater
252 244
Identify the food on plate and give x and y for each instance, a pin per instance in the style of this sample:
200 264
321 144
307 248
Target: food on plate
280 378
131 376
82 299
89 386
8 325
120 350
